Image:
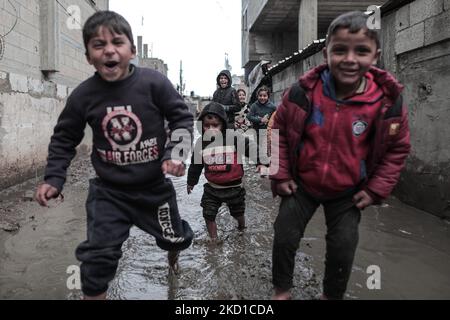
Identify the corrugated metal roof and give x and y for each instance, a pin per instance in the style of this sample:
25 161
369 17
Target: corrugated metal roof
313 48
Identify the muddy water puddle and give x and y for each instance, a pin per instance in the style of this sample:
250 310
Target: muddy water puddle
411 249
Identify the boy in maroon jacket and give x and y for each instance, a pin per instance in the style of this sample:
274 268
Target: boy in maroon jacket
343 140
221 157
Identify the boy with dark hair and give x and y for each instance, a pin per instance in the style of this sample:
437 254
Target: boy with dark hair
223 169
227 96
126 107
343 140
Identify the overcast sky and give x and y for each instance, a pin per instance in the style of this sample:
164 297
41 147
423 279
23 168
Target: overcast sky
199 32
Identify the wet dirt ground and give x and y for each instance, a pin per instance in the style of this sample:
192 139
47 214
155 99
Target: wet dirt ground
410 247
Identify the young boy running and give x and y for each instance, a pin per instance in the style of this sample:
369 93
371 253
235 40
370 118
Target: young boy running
221 158
126 107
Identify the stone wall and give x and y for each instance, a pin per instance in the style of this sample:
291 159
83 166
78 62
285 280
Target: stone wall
43 60
421 61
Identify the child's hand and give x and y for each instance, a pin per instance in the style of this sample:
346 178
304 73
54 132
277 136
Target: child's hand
173 167
262 170
265 119
189 189
286 188
362 200
44 193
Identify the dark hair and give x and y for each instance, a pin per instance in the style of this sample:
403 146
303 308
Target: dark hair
263 88
241 90
108 19
354 21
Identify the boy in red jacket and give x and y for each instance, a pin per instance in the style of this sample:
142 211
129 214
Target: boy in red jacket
343 140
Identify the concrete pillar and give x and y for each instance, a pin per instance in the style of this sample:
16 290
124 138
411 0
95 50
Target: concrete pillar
139 45
145 51
307 23
50 44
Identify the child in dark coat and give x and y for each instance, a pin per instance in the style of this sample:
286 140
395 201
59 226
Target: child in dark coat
222 160
227 96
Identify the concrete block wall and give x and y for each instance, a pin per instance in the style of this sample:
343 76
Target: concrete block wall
425 182
73 64
411 38
29 102
28 111
421 23
424 68
22 44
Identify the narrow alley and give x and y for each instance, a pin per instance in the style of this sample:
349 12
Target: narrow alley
411 248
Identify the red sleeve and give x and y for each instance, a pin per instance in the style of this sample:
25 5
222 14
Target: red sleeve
280 166
387 173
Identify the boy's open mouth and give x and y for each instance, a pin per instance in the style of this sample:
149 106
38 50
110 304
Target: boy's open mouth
111 64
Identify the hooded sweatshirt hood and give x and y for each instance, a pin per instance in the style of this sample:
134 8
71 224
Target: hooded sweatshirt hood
227 74
216 109
388 84
372 93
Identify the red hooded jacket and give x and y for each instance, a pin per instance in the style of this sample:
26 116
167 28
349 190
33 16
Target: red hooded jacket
333 146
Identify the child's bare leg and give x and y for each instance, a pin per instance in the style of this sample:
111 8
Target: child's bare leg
101 296
212 229
237 207
280 294
241 222
172 256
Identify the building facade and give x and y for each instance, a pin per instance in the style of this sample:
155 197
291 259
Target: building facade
42 58
143 59
274 29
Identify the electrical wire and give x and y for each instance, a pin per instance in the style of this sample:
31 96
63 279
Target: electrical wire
2 47
69 14
2 36
15 22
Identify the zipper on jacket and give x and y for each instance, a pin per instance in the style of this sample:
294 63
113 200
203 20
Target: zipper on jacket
326 166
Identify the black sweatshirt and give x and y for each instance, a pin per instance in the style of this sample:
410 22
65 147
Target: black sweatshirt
226 173
127 121
227 97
